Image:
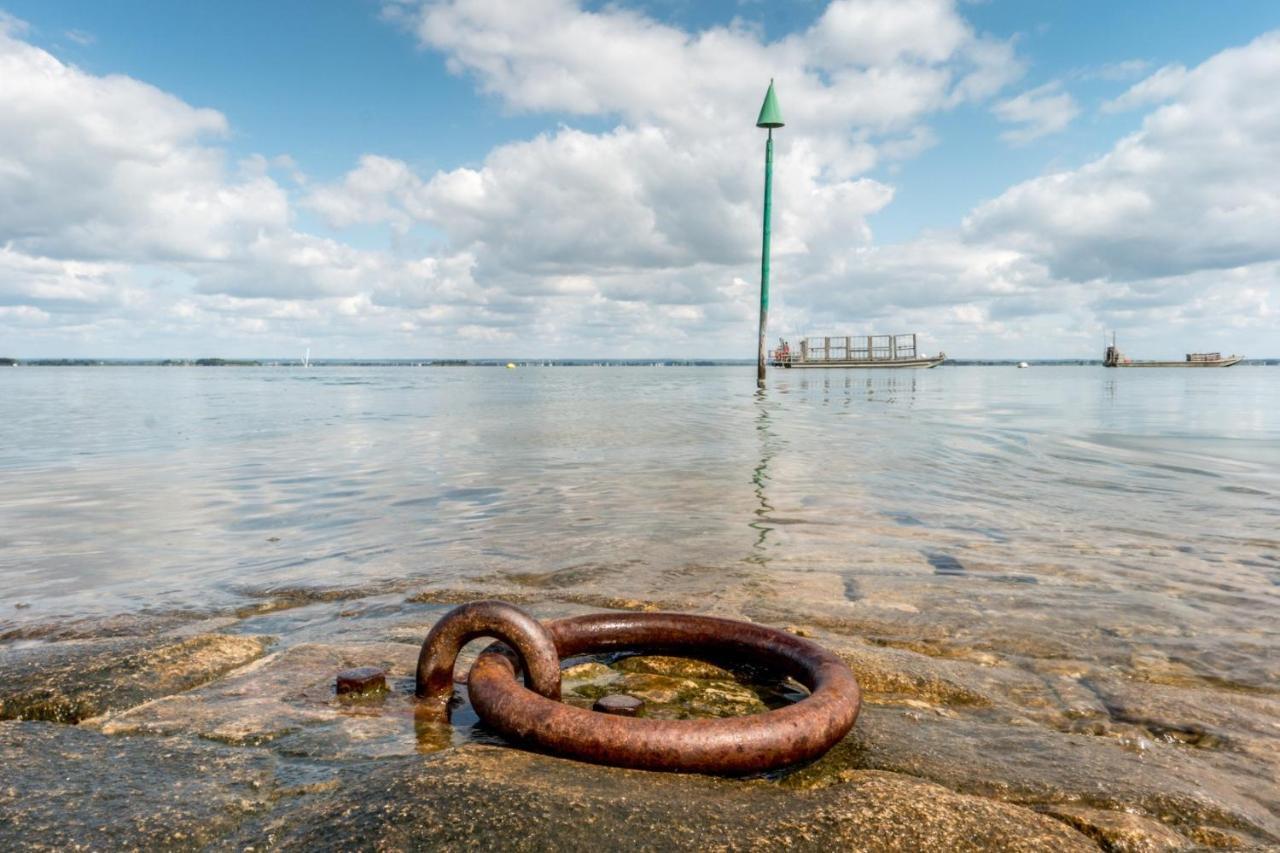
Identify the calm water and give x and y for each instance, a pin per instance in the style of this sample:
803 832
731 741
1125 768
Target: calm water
1048 496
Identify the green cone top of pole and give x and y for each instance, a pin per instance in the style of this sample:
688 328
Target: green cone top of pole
770 115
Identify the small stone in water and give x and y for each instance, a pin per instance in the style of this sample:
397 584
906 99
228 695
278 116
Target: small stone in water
361 680
619 704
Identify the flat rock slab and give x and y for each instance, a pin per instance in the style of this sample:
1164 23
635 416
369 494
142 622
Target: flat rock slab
288 700
64 788
1186 789
1121 832
71 681
486 797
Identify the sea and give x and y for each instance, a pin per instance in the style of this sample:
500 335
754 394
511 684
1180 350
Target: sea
1047 494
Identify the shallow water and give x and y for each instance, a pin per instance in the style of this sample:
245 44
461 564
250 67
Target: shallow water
1072 488
1056 586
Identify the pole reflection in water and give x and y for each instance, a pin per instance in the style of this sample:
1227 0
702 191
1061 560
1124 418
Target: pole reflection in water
769 446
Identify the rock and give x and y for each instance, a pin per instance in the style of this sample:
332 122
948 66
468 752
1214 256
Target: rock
100 627
618 704
71 681
886 674
589 671
657 689
1195 716
480 797
676 667
1035 767
724 699
361 681
288 700
66 788
1121 832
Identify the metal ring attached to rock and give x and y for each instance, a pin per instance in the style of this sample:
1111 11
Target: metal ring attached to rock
736 745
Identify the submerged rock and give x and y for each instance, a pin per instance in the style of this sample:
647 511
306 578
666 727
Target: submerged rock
672 688
1187 790
289 700
69 682
65 787
618 704
676 667
484 797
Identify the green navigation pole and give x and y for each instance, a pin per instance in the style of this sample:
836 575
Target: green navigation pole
770 117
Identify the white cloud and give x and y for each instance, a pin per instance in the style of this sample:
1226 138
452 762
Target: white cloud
1039 112
1196 188
664 208
102 168
1161 86
130 231
869 63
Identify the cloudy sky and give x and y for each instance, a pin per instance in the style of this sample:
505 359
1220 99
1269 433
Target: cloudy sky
412 178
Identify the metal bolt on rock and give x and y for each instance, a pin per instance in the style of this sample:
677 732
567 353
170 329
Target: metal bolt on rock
533 714
360 681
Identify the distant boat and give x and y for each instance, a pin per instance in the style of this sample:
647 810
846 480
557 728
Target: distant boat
306 359
1023 364
1114 358
854 351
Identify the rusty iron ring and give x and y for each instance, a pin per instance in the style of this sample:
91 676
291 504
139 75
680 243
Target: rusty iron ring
517 629
735 745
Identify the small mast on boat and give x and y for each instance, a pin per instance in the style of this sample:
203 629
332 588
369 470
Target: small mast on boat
854 351
1114 358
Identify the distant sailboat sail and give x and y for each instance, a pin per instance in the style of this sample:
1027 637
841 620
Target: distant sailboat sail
306 359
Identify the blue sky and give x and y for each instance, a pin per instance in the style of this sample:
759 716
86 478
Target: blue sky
394 146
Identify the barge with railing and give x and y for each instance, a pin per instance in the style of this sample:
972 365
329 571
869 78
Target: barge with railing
854 351
1114 358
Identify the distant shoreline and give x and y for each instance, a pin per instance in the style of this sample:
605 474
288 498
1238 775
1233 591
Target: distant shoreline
503 362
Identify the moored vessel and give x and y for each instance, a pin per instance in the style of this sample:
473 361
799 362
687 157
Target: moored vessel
854 351
1114 358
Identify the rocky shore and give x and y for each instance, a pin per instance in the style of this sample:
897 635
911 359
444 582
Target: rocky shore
223 731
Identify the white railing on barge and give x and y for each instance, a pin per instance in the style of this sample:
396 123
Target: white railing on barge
849 348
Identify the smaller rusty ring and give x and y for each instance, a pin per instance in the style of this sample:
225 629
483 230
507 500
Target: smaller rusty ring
513 626
736 745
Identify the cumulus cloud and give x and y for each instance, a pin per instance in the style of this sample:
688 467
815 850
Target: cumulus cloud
127 229
869 63
107 180
100 168
1037 112
663 209
1195 188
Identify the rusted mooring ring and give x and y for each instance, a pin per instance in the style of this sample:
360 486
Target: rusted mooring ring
749 744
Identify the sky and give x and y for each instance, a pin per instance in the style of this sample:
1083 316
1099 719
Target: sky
564 178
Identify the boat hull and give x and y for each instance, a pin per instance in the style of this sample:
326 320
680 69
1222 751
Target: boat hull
908 363
1221 362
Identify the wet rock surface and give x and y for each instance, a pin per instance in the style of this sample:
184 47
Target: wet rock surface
289 700
361 681
485 797
1017 763
65 787
971 737
71 681
674 688
1121 832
